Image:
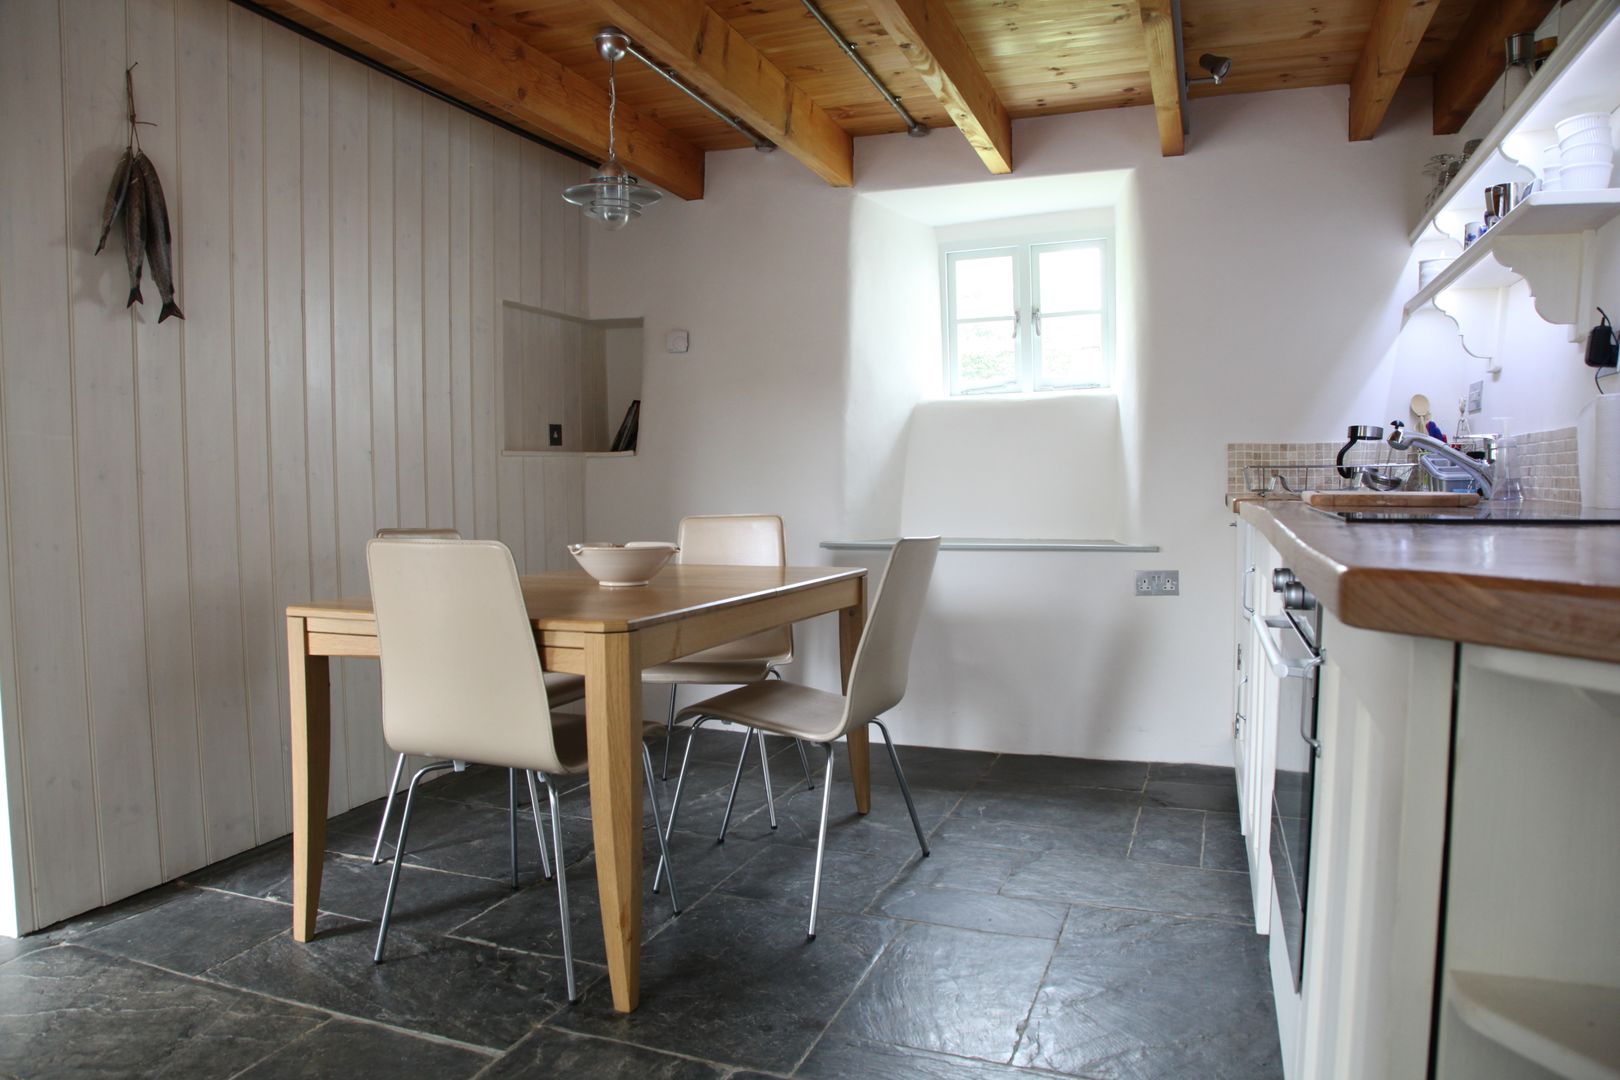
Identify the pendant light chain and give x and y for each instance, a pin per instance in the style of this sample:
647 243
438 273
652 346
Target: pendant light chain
613 196
613 107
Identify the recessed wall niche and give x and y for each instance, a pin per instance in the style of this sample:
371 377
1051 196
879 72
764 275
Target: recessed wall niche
567 383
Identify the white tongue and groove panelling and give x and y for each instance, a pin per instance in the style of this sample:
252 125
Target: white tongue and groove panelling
343 245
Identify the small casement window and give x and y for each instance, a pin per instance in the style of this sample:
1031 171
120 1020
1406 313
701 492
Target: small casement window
1029 316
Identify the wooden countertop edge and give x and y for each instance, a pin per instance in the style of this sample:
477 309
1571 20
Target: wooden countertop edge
1560 618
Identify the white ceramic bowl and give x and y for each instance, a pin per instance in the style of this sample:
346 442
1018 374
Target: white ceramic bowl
1584 138
1587 177
1596 154
1590 121
619 566
1552 178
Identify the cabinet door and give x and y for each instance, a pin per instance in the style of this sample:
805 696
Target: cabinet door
1372 906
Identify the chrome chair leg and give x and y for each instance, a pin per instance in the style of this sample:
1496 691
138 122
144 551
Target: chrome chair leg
905 788
804 762
388 808
725 823
539 829
669 728
821 841
511 820
765 771
399 856
664 865
562 889
680 786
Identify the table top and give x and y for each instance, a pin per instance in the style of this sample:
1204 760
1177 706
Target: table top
572 600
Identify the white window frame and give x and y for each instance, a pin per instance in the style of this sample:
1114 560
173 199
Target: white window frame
1026 314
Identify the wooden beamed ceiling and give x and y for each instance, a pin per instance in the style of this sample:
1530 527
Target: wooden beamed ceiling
971 65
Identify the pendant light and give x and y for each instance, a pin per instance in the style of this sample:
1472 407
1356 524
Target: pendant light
612 196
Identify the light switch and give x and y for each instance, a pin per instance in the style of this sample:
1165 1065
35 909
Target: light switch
677 341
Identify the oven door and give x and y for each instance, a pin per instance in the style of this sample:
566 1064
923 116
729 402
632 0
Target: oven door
1292 655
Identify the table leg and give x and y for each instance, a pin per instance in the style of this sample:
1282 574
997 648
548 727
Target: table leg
613 734
309 693
851 621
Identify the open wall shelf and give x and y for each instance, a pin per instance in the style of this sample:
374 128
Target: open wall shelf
1542 240
1568 1029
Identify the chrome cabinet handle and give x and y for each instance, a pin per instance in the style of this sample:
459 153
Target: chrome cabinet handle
1313 743
1248 611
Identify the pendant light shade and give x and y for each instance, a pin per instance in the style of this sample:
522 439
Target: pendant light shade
612 196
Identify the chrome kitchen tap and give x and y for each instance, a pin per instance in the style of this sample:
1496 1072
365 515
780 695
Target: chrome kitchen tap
1400 439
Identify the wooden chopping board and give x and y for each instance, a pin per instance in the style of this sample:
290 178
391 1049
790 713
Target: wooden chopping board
1347 500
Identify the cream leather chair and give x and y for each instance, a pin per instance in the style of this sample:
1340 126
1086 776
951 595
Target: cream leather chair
731 540
877 682
461 680
560 690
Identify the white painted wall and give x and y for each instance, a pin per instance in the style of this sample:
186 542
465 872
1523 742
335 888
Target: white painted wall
1263 278
169 489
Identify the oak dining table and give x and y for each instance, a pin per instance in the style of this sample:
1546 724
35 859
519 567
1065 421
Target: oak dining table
608 635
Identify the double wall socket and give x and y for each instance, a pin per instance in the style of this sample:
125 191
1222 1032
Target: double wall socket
1158 583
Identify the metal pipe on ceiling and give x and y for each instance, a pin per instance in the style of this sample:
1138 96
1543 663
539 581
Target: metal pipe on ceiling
762 144
912 127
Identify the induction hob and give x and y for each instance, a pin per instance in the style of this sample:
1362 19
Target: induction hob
1528 512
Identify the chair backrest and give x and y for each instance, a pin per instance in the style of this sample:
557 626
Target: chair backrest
419 534
877 678
739 540
461 675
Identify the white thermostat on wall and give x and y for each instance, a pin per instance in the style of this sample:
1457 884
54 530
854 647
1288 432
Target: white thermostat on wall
677 341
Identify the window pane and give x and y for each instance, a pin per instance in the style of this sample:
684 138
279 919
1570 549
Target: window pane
1072 351
1071 279
984 354
984 287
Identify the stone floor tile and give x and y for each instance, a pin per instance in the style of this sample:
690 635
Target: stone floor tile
550 1052
70 1012
453 989
193 931
974 911
735 981
1169 836
1132 995
350 1048
1128 883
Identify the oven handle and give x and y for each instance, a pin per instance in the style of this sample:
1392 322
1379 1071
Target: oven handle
1281 666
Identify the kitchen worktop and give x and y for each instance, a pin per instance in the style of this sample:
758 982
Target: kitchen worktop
1547 589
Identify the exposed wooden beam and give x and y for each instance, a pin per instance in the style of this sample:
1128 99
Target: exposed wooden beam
1160 34
706 52
1397 31
467 52
934 44
1479 56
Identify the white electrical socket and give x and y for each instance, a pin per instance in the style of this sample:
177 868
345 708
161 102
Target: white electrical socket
1476 391
1158 583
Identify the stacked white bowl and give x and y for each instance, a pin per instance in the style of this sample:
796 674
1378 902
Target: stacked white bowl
1585 152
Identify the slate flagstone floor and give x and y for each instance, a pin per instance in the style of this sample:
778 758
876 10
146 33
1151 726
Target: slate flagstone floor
1077 918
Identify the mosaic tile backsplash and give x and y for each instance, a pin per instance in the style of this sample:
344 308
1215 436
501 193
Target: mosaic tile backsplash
1547 463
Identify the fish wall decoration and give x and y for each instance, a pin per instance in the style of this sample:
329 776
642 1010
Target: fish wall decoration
136 198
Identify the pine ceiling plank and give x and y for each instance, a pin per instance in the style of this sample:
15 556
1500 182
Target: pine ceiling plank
1397 31
934 44
1479 56
725 67
464 50
1159 32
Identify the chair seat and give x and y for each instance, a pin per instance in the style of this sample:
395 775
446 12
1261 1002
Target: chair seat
781 707
712 672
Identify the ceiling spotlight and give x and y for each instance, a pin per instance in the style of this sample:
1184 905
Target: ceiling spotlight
612 196
1217 66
